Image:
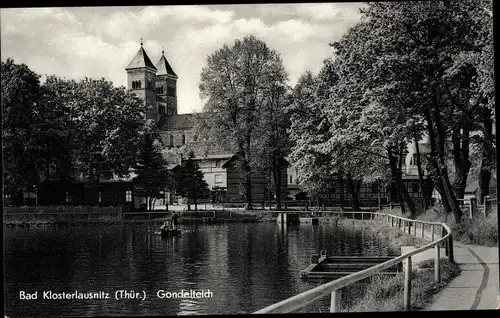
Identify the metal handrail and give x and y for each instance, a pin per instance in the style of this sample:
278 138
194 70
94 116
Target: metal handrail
333 287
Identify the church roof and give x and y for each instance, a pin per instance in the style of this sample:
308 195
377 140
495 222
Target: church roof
176 122
141 60
164 67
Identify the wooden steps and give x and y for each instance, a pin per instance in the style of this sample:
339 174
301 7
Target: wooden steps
338 266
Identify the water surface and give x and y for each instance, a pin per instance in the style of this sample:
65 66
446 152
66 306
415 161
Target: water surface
246 266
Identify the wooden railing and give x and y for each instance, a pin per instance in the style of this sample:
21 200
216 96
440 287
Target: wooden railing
334 287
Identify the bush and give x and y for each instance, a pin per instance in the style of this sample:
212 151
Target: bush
385 293
480 230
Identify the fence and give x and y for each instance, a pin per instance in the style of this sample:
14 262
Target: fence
285 205
471 208
334 287
60 213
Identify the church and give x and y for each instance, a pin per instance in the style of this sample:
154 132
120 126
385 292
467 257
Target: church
157 86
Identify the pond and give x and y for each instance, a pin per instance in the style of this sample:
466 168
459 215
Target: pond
237 268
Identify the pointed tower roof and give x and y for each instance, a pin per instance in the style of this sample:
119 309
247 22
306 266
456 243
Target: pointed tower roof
141 60
164 67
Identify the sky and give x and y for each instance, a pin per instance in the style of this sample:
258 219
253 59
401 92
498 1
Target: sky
98 42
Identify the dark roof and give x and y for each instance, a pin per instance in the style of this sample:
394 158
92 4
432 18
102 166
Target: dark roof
164 67
284 162
176 122
214 157
141 60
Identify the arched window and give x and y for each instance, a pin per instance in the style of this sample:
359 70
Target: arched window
171 142
183 139
136 84
162 110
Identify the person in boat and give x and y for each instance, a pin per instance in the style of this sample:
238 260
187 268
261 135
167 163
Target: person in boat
166 226
175 218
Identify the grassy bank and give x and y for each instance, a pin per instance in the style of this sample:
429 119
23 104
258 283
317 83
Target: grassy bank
478 231
395 237
382 293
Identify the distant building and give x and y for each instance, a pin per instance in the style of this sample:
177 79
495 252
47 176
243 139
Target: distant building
370 192
294 188
223 177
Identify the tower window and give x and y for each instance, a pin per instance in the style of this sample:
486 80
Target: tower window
183 139
159 90
136 84
171 141
128 196
161 110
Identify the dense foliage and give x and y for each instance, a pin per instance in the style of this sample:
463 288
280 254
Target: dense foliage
66 130
190 183
153 178
404 72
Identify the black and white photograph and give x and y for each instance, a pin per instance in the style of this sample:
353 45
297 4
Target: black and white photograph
266 158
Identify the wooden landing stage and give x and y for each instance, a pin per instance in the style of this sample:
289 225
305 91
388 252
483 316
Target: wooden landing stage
295 217
333 267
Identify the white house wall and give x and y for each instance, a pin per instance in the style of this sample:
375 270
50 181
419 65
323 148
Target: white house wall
210 171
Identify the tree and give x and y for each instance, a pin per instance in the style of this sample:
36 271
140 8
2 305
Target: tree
308 130
272 143
20 99
111 124
65 129
191 183
55 137
153 177
430 50
236 83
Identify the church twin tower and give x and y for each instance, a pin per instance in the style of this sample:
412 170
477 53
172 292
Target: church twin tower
156 85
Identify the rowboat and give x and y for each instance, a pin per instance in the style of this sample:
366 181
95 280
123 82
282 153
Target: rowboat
169 232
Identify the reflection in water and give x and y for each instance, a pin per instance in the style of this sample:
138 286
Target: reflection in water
246 266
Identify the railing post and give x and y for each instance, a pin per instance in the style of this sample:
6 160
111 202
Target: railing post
387 218
423 230
335 301
437 269
407 286
432 233
445 243
451 256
